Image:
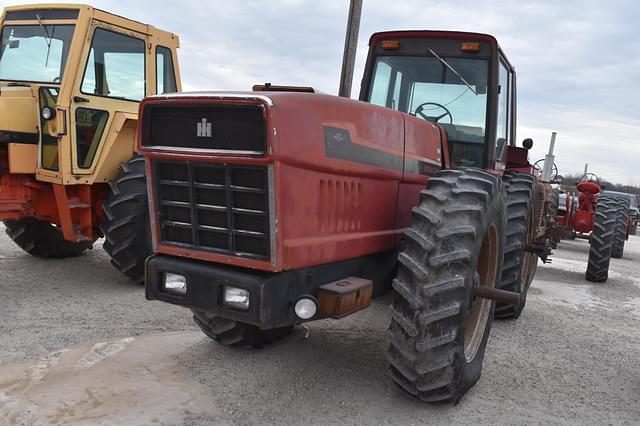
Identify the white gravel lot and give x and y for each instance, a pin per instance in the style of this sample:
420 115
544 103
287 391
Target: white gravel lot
79 344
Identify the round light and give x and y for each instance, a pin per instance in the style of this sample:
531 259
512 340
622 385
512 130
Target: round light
306 308
47 113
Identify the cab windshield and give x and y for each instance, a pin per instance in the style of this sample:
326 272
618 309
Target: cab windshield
425 87
34 53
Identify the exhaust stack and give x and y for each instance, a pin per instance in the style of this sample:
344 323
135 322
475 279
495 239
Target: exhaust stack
549 159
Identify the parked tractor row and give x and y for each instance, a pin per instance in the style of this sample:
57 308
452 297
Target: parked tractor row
605 218
262 210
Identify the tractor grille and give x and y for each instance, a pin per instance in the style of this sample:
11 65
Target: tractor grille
217 208
234 128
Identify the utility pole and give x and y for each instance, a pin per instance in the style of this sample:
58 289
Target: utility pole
350 47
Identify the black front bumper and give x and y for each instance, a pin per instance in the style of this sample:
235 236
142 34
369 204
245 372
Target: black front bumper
272 296
204 286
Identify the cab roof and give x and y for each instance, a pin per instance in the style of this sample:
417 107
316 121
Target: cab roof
454 35
92 11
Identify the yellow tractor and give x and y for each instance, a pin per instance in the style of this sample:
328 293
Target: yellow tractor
71 79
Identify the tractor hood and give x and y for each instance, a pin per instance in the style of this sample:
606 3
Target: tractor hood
18 115
302 128
299 155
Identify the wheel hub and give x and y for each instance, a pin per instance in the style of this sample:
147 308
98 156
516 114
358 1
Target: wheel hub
480 309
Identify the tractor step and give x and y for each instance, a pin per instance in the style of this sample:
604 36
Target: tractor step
77 204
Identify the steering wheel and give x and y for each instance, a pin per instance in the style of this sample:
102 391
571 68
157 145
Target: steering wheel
537 169
434 119
590 177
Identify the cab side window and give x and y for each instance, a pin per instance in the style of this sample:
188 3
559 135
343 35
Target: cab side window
116 67
90 125
165 74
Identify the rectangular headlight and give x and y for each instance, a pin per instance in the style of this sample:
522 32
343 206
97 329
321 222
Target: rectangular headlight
235 297
174 283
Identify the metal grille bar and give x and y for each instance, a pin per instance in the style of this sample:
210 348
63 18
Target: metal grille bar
217 208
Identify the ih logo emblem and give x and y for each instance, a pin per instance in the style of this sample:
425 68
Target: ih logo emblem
204 129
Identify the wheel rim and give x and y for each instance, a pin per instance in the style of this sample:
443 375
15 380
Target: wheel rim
487 269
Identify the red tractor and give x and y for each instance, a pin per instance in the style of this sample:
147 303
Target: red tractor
561 208
281 206
603 219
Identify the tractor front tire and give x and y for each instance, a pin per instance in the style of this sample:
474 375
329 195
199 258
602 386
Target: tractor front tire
601 241
42 239
233 333
439 330
126 227
622 224
519 265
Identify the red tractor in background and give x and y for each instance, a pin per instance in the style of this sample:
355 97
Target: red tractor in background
603 219
278 207
560 209
565 217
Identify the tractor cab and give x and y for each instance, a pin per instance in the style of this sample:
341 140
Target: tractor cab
71 78
460 81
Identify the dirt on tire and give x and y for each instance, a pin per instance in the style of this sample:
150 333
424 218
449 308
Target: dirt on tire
433 354
126 227
517 274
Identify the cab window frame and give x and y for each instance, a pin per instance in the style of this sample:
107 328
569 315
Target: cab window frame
506 111
144 64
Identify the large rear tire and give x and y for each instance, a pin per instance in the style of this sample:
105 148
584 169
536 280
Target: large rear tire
126 227
519 265
622 224
233 333
438 329
601 241
42 239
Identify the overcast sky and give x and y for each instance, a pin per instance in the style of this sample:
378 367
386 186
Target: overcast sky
578 62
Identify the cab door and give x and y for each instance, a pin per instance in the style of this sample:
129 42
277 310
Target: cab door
114 80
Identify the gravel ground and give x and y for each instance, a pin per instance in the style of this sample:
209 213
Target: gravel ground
572 357
48 304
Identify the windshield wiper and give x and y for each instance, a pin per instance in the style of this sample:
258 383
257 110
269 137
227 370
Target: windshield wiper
48 40
446 64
